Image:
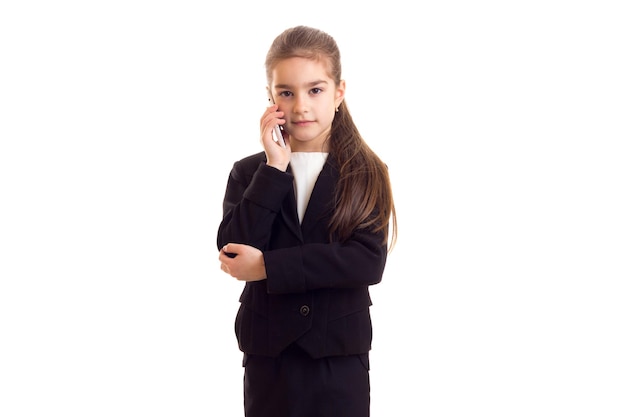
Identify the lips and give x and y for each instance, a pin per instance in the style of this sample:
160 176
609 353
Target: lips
302 122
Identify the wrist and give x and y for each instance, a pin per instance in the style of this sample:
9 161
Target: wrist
279 166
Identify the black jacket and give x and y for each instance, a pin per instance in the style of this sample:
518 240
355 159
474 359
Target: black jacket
316 293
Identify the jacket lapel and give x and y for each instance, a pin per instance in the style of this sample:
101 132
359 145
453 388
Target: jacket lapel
320 203
289 213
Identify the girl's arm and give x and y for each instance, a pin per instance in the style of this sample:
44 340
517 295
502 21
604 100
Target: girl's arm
358 262
256 188
251 203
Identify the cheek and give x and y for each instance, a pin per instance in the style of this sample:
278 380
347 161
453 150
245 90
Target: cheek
330 107
328 113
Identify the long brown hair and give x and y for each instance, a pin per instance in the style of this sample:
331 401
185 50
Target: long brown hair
364 198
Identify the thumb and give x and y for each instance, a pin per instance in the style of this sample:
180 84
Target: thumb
231 247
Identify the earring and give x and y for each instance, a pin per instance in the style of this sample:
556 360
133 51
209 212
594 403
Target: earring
336 109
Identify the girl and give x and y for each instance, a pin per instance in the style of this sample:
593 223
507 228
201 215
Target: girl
307 227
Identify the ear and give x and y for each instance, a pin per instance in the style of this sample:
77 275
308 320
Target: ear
340 92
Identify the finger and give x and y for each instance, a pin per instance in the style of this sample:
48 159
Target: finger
271 119
232 247
229 250
271 113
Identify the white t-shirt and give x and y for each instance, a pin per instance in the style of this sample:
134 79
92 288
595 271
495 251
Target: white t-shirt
306 167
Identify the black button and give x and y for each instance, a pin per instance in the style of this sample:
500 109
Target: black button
305 310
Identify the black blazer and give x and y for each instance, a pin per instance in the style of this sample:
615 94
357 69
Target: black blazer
316 293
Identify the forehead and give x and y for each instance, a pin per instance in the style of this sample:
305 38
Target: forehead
297 71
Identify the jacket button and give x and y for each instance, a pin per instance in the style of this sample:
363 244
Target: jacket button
305 310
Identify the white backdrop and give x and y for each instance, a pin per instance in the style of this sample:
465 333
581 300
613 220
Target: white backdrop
503 127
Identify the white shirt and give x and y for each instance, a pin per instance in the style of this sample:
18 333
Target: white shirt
306 167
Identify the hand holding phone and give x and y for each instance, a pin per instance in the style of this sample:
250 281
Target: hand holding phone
277 134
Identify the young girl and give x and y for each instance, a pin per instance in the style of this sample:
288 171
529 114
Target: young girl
307 227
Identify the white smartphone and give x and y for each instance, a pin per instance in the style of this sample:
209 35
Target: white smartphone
277 133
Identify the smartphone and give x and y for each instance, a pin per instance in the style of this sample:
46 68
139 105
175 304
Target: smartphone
277 133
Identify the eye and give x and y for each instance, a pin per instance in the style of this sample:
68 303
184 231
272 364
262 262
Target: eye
316 90
285 94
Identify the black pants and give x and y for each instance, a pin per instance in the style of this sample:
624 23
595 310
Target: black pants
295 385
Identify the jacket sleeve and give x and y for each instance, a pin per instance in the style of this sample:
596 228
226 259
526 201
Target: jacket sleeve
358 262
251 203
254 197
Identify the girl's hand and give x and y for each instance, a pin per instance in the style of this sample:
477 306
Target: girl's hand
277 156
244 262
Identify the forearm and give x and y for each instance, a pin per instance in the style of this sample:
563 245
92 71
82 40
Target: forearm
356 263
250 209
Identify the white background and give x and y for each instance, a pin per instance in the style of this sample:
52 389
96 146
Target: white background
503 127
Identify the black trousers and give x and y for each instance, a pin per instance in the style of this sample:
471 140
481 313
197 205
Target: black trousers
295 385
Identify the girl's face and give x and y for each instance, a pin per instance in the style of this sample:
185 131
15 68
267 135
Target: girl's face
303 90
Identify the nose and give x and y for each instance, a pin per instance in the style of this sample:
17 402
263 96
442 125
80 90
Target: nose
300 104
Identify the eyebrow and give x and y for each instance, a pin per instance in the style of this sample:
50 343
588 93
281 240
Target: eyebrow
311 84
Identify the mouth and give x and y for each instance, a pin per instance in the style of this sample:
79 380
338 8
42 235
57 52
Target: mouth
302 122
